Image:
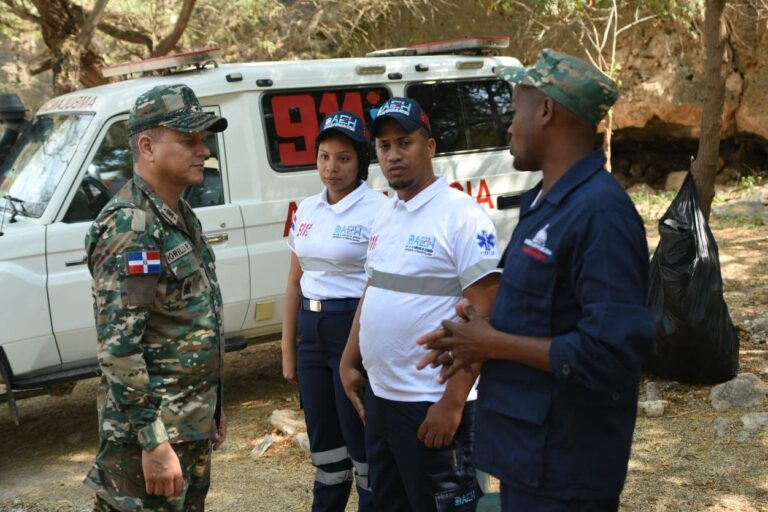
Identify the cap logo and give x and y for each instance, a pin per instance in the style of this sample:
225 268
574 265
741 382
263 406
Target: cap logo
424 118
343 121
173 102
395 107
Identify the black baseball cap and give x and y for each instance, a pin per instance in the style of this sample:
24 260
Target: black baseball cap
406 112
345 123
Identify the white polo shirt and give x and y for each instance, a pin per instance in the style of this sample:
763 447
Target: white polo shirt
422 254
330 241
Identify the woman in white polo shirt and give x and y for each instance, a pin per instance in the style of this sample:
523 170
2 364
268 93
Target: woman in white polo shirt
328 239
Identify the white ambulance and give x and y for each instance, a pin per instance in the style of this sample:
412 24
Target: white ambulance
75 155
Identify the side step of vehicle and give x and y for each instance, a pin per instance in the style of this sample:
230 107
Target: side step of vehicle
36 386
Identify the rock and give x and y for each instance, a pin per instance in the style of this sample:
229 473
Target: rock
288 421
760 195
728 174
759 324
755 420
652 408
652 391
75 438
675 180
745 390
301 441
752 423
669 385
744 208
640 189
721 427
262 445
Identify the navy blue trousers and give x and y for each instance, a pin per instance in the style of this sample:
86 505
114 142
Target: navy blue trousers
406 475
513 500
336 437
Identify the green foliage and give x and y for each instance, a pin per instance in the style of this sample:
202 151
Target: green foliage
681 10
748 183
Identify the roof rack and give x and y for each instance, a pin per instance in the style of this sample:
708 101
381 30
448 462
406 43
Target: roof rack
198 58
481 45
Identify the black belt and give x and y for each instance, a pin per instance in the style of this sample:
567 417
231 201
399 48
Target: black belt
335 305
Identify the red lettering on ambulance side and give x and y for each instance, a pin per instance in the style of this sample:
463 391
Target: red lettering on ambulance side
292 207
352 102
305 128
484 194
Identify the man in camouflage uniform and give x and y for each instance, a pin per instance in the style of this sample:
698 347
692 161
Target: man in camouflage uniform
158 315
562 351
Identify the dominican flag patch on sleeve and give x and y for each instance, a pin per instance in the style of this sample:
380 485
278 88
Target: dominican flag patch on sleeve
143 263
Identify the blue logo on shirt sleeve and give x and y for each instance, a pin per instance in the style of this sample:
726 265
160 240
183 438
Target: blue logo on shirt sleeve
486 240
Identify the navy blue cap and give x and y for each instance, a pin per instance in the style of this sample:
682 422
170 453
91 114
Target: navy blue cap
406 112
345 123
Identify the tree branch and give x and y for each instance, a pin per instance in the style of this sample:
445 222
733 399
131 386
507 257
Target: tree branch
44 66
21 12
125 34
89 27
167 44
636 22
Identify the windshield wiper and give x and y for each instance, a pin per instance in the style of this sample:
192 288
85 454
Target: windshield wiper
11 199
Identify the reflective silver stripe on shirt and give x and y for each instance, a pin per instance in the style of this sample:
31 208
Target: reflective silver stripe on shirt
336 267
477 271
417 285
361 475
329 456
339 477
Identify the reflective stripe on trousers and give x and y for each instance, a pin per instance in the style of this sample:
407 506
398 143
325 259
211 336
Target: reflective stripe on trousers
329 456
361 475
334 478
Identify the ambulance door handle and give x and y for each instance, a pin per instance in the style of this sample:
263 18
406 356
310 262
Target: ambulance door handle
508 201
217 239
74 263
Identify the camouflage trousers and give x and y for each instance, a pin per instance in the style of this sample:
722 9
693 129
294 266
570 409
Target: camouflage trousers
118 479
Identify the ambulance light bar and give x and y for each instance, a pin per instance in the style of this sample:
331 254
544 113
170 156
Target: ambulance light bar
196 58
483 44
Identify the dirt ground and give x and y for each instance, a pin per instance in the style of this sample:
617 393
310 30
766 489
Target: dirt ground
677 463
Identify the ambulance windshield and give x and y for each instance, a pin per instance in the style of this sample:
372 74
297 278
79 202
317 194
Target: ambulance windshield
39 159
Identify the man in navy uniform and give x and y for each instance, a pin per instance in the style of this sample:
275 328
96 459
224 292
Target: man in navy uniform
562 351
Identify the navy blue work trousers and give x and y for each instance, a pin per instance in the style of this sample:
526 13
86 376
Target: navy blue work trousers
336 437
406 475
514 500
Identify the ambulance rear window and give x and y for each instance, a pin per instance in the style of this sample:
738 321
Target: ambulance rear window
292 120
466 115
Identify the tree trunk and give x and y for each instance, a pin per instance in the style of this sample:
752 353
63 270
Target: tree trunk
167 44
704 168
73 61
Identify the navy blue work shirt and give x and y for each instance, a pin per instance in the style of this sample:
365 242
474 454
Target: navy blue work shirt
575 270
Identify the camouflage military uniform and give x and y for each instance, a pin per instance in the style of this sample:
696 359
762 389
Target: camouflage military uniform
158 312
159 333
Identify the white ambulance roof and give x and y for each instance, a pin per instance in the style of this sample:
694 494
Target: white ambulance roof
118 97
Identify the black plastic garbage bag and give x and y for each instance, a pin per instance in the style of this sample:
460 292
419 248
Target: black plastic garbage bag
695 338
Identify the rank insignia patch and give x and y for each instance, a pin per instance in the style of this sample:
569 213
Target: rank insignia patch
143 263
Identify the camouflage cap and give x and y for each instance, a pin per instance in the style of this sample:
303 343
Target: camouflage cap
172 106
575 84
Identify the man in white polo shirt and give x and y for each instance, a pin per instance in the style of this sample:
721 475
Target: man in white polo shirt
429 246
